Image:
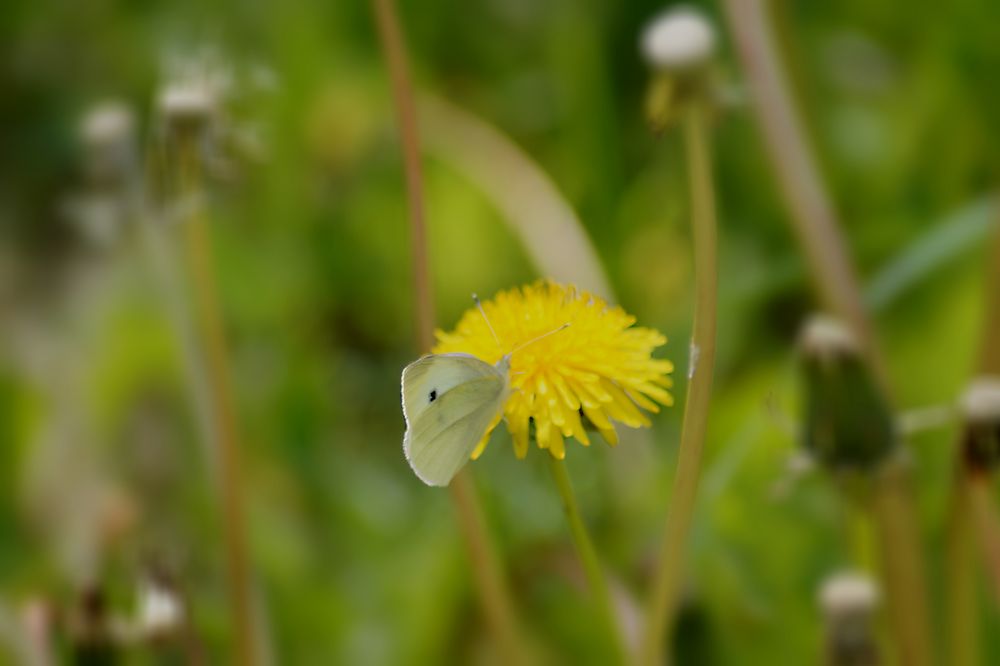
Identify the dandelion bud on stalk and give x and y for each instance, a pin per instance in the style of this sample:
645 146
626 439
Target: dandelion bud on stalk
187 106
107 137
847 421
980 406
679 45
849 601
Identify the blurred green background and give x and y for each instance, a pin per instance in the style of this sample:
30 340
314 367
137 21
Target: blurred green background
354 560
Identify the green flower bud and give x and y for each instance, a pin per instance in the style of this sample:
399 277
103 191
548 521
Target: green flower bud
981 437
847 421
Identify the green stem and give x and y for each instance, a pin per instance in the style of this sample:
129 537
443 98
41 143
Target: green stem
669 568
970 510
963 640
493 592
989 363
814 221
902 565
861 535
585 549
223 410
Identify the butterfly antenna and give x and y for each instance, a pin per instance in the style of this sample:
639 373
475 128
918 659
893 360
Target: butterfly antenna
487 320
543 335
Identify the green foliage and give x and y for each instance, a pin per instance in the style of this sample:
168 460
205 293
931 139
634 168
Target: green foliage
354 560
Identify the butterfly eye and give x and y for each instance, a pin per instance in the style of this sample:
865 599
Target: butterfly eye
434 395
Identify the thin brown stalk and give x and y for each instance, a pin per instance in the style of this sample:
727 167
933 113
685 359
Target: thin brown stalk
811 210
394 50
963 634
972 511
989 361
816 226
983 510
491 583
669 571
199 252
902 566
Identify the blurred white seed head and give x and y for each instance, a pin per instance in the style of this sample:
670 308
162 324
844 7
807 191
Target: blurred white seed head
107 123
848 596
678 39
825 337
160 610
107 137
194 89
186 104
981 401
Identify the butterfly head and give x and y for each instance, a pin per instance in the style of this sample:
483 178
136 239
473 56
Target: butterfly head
503 365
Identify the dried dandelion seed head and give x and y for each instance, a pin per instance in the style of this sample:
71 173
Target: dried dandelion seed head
195 88
678 39
107 137
598 369
824 338
186 106
848 594
160 612
205 98
980 406
849 600
981 401
679 46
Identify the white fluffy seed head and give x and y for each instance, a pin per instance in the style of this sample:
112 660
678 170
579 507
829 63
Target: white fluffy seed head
848 594
678 39
108 123
107 137
825 337
160 610
981 401
183 104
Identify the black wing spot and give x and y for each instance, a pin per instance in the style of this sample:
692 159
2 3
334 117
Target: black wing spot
434 395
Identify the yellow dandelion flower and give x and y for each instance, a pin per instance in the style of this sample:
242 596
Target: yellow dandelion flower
599 369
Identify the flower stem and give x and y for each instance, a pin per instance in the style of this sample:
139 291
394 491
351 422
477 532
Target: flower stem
812 213
982 510
989 362
963 635
223 412
588 554
861 537
490 580
669 568
972 506
815 222
902 565
497 605
394 50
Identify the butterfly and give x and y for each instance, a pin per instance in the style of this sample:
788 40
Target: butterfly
449 401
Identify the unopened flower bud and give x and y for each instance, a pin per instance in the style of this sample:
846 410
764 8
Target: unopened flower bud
980 406
186 106
107 135
849 601
847 421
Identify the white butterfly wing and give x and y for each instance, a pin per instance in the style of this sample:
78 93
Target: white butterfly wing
448 401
